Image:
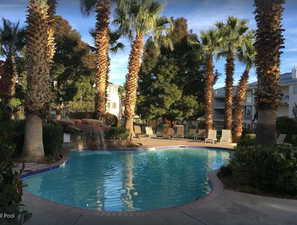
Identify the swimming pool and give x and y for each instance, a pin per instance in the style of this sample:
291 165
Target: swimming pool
129 180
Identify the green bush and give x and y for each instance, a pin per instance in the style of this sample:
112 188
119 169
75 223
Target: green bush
286 125
268 169
247 140
12 136
13 133
11 187
53 140
120 133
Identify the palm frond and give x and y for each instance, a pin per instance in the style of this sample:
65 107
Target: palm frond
87 6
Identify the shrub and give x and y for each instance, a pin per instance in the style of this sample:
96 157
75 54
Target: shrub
53 140
11 187
268 169
247 140
286 125
12 138
120 133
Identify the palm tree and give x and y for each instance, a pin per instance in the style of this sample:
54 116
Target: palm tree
269 42
38 91
246 54
114 46
52 4
210 42
137 19
102 8
11 43
231 33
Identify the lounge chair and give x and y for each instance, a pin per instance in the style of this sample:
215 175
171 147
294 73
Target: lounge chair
149 132
201 135
137 132
226 136
180 131
281 140
168 132
211 137
193 133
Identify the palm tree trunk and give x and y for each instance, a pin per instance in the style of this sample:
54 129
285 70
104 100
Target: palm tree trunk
38 90
229 91
239 104
132 81
269 42
33 145
102 47
209 95
52 4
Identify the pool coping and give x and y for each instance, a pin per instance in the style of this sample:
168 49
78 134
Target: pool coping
216 188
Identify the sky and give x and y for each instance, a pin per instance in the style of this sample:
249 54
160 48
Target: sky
201 15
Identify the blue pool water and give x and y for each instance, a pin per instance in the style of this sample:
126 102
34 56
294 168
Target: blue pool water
129 180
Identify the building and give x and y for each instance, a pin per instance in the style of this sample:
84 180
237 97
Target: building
288 83
113 103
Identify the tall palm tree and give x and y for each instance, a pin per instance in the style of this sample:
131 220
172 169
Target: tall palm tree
12 41
246 54
38 91
137 19
209 41
269 42
231 32
52 4
102 8
114 46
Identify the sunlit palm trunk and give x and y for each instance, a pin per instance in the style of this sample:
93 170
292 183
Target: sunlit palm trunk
209 95
102 47
132 81
239 104
52 4
38 91
269 41
229 91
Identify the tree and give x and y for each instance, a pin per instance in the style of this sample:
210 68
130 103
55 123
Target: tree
246 54
210 41
269 42
231 33
38 91
114 47
51 29
73 60
11 43
171 81
102 8
138 19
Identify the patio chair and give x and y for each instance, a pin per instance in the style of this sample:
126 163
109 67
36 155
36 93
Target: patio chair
201 135
149 132
211 137
168 132
193 133
137 131
180 131
226 136
281 140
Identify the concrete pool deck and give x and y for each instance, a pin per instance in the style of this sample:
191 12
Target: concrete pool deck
220 207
